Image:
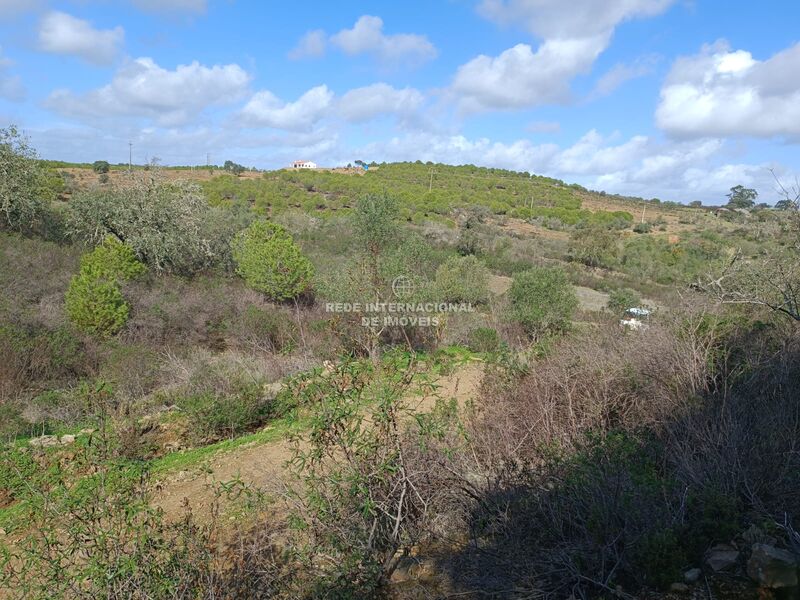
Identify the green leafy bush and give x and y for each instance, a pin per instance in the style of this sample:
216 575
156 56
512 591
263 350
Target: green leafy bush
462 279
217 415
94 301
270 262
642 228
542 300
484 339
622 299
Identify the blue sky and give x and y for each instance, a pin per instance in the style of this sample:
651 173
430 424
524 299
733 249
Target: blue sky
673 99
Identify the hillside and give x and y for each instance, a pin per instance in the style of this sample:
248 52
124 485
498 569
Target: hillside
215 385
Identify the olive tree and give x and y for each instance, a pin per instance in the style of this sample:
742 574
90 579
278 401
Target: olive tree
164 222
21 182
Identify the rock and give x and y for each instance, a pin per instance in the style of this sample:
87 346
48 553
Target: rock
87 431
722 557
66 440
45 441
692 575
772 567
680 588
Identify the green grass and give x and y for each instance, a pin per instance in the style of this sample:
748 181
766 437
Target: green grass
187 459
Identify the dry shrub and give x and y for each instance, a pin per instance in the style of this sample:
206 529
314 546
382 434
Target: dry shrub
606 380
620 458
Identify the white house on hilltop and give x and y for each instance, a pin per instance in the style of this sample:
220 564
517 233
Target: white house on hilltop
304 164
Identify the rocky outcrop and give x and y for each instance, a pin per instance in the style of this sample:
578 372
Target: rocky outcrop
772 567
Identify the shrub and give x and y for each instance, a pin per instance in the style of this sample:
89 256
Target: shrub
484 339
217 415
94 301
462 279
642 228
594 246
622 299
542 300
468 243
270 262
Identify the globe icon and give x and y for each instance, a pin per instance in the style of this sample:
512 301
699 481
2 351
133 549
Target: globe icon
402 287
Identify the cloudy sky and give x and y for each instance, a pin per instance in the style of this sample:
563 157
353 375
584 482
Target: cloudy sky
676 99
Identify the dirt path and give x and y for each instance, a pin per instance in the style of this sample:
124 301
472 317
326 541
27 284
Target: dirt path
263 465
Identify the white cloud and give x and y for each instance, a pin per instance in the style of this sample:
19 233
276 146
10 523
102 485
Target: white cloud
188 6
576 19
722 92
311 45
367 37
573 35
143 89
265 109
520 77
365 103
622 73
60 33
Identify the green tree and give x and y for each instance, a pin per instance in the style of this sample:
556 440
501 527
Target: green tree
462 279
270 262
375 223
163 222
94 302
542 300
22 182
742 197
594 246
234 168
786 204
100 166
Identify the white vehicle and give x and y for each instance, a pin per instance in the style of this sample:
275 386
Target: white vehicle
635 318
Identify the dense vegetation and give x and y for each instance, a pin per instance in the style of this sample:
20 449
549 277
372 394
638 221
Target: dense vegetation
152 327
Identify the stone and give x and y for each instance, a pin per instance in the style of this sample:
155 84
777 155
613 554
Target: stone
45 441
66 440
692 575
772 567
680 588
722 557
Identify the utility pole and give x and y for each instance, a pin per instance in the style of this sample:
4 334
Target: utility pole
644 207
130 156
430 185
